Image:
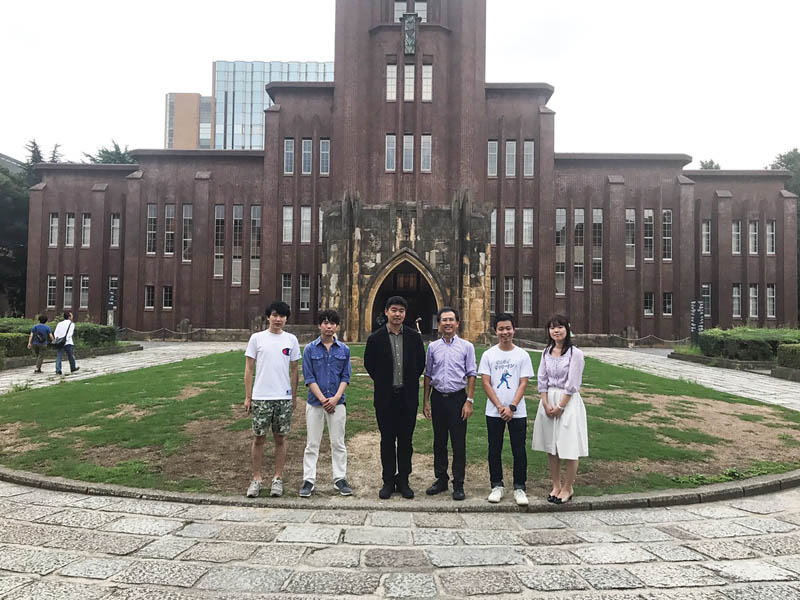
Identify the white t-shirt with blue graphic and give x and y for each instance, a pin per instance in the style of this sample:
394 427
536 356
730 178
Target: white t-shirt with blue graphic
506 369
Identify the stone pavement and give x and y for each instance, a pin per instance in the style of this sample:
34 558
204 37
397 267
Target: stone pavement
750 385
71 546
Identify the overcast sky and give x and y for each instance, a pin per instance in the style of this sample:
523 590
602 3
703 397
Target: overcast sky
709 78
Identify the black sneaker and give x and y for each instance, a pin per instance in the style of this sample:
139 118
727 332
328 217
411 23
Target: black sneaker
343 487
405 491
458 492
386 491
305 491
438 486
75 370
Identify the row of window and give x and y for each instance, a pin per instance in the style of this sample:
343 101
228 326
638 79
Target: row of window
736 236
508 295
85 231
305 290
528 148
409 82
306 156
705 294
150 297
426 153
420 7
69 284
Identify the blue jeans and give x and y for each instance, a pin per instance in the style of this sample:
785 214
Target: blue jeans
70 350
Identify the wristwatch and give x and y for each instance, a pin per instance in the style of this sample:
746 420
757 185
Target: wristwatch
471 400
512 407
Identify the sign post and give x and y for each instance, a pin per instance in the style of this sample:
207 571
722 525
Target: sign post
696 320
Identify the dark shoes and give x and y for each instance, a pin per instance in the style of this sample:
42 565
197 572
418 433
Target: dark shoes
75 370
458 492
386 491
405 491
439 486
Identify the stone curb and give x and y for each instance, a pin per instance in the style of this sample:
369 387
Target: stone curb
764 484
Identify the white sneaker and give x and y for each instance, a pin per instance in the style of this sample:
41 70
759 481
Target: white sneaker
276 489
496 494
254 489
520 497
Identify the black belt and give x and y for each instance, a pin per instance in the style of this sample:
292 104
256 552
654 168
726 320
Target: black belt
450 394
397 389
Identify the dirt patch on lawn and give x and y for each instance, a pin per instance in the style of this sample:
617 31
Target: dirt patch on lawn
189 391
131 411
12 442
111 456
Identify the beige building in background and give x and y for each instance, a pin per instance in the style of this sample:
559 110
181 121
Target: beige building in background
187 124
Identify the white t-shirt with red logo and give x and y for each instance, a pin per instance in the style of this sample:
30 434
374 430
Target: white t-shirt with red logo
273 352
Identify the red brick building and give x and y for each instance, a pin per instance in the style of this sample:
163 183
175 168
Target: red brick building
410 174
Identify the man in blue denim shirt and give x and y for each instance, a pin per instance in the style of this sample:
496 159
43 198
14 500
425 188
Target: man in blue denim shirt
326 371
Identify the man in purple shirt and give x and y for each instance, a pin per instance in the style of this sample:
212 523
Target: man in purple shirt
449 364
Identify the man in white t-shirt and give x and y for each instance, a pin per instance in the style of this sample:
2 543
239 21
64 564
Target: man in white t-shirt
275 354
504 370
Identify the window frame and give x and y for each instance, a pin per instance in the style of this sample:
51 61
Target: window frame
51 291
169 229
115 234
527 295
305 292
705 237
83 299
527 227
752 301
772 228
219 241
736 301
286 296
409 75
511 158
390 153
648 234
288 156
491 158
391 82
305 224
187 232
287 222
164 290
772 301
508 294
752 237
255 248
630 241
306 156
666 235
408 153
736 237
425 165
149 297
665 304
706 297
427 82
509 227
649 304
71 287
52 230
324 157
69 230
528 158
86 230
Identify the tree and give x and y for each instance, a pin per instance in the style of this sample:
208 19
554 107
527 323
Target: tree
709 164
55 155
790 161
13 239
115 155
34 158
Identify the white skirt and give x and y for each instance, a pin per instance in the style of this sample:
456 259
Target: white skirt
565 436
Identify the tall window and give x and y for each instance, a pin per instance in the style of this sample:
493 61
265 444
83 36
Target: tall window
166 297
561 250
770 300
288 224
186 232
753 237
492 294
666 304
527 227
319 224
52 239
255 248
324 157
149 297
705 293
114 239
51 291
577 249
753 300
527 295
288 156
67 291
408 83
169 229
597 244
86 229
649 233
511 158
736 300
491 168
152 224
305 224
69 230
391 83
493 227
400 7
508 295
706 236
771 245
649 304
307 156
391 152
736 237
286 288
305 292
509 232
219 239
84 299
237 244
666 234
421 8
408 153
630 237
425 153
427 82
527 158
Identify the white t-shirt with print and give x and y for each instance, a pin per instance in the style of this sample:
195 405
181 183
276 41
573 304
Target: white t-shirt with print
273 352
506 369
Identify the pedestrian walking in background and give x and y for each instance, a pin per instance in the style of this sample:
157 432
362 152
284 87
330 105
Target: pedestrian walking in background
38 339
64 343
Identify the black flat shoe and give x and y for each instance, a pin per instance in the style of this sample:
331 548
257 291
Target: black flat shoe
386 491
551 498
560 501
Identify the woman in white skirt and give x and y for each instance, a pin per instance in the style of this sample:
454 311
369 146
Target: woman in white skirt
560 427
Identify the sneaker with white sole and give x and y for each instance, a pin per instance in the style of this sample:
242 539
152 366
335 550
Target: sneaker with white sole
276 489
254 489
496 494
520 497
305 491
341 486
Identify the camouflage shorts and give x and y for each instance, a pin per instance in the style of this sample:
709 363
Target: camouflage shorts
274 414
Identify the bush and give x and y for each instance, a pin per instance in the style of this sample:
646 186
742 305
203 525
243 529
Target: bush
89 335
789 356
9 325
746 343
13 344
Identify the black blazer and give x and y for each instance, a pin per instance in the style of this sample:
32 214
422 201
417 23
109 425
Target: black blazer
378 362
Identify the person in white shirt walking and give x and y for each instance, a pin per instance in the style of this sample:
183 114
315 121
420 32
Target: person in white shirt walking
65 329
274 354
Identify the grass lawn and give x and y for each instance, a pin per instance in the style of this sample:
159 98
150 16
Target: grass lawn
181 427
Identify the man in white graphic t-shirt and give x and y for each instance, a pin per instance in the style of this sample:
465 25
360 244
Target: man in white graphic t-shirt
270 400
504 370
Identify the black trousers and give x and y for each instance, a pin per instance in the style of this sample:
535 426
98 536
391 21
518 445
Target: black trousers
447 421
396 423
517 431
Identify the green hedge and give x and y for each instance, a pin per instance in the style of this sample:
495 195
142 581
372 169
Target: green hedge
746 343
88 334
789 356
13 344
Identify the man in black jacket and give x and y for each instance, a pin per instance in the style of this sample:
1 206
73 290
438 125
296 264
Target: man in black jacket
395 359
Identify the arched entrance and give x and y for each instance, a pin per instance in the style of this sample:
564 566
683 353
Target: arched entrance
407 281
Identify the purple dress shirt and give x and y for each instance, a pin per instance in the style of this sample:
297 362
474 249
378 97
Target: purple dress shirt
561 372
448 364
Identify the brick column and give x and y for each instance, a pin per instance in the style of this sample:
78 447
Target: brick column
614 321
131 289
786 292
721 257
683 253
38 229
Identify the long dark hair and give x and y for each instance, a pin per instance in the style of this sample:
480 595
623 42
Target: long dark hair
558 320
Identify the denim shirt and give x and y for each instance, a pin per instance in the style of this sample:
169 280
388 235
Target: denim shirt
326 369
